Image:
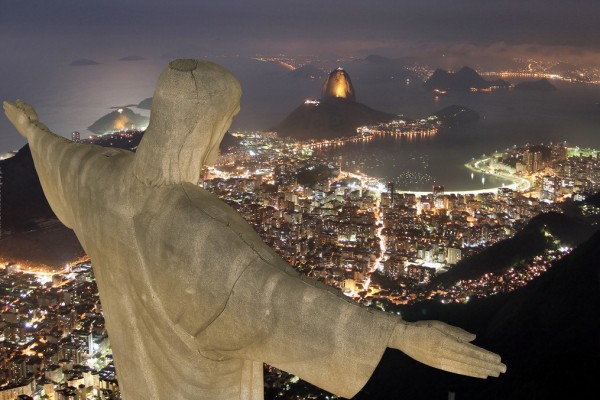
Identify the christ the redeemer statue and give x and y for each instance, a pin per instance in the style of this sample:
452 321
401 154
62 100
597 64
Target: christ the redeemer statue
194 301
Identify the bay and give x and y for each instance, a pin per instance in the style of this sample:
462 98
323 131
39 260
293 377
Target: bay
508 118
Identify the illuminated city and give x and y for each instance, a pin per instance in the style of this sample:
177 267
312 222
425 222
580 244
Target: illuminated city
349 230
437 161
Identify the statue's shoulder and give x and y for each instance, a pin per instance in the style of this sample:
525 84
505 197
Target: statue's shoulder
220 215
194 249
187 214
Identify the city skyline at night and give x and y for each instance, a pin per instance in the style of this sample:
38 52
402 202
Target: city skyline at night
73 61
432 161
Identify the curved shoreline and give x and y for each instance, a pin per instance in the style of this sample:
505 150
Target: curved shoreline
519 184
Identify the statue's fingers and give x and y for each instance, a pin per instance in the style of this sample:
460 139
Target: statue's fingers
6 105
28 110
17 117
467 352
468 369
478 358
10 110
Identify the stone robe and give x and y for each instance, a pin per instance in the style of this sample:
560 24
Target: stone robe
194 301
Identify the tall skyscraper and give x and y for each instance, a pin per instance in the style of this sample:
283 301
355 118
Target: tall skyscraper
438 196
76 137
453 255
538 163
533 160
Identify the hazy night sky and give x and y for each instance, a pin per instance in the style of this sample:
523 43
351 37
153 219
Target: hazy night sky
38 39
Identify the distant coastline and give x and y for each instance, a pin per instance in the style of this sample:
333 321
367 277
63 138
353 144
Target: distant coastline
519 183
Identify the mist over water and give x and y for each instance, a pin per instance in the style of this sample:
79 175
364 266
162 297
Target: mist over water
508 118
71 98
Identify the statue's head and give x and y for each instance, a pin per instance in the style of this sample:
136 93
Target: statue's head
193 106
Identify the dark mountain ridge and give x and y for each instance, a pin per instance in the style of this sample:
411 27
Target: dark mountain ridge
22 195
31 233
375 68
118 120
456 115
542 85
464 80
329 119
539 235
307 71
548 334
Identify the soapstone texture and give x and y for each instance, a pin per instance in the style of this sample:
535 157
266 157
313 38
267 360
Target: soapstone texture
194 301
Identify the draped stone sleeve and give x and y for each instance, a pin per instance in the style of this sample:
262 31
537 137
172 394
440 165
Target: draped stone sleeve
60 164
249 303
299 326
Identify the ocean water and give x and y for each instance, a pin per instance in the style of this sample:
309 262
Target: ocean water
508 118
71 98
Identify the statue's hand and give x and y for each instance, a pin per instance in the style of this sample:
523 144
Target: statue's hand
22 116
445 347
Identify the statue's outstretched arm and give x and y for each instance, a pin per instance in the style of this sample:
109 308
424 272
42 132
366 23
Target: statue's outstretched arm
58 161
273 314
52 157
24 118
320 335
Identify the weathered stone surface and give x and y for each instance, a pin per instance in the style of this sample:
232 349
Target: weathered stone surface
194 301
